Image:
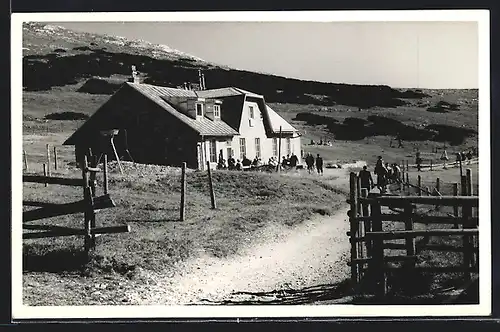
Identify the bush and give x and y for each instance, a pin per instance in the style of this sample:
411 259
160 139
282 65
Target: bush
67 116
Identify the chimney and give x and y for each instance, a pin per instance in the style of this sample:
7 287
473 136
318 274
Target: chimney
136 78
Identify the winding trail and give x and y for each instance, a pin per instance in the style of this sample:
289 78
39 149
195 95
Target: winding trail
310 254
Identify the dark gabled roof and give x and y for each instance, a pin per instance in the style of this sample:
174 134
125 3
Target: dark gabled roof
204 126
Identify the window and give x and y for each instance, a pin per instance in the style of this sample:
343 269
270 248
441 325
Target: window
199 109
252 116
257 147
288 146
275 146
213 151
217 111
243 148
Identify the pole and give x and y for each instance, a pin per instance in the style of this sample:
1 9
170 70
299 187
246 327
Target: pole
438 185
468 173
211 186
48 159
105 175
419 185
460 164
45 172
455 207
353 226
279 152
25 160
367 224
431 164
55 158
183 192
116 155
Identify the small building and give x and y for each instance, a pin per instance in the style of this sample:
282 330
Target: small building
168 126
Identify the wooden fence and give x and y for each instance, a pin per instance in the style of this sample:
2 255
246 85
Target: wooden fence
88 205
373 226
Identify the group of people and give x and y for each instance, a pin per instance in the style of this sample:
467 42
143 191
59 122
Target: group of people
236 164
311 162
463 156
385 173
290 161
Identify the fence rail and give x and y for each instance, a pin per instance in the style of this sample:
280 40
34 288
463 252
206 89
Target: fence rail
89 205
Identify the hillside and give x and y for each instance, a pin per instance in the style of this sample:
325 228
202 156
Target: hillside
55 56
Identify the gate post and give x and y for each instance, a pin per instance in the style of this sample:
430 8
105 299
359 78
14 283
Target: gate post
378 252
353 226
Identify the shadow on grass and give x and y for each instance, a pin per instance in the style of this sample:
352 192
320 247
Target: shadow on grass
154 220
46 227
70 260
308 295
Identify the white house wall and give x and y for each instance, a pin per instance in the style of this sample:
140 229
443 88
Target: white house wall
250 133
258 131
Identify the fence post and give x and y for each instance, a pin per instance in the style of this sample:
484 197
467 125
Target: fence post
438 185
378 252
89 210
366 224
48 160
431 164
25 160
410 240
55 158
92 181
105 174
211 186
403 173
353 226
407 167
428 192
419 185
45 173
455 207
463 185
183 192
468 173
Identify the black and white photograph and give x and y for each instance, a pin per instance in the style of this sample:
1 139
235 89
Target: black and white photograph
227 165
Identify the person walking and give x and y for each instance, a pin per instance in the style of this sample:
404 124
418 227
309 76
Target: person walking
366 179
319 164
310 163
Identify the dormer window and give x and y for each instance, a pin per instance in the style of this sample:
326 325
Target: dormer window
199 109
216 111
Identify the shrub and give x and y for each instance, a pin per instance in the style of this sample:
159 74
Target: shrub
67 116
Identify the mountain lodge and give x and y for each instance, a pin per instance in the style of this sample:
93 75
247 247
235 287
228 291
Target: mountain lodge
168 126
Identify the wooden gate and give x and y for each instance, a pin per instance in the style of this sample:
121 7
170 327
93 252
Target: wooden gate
374 220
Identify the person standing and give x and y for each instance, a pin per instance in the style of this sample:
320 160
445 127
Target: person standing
310 162
366 179
294 160
319 164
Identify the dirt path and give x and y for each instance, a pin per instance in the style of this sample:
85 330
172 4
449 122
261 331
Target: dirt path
310 254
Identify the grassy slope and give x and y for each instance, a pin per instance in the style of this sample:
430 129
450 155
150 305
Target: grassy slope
368 149
149 203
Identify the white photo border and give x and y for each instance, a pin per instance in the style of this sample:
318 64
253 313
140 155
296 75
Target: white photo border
20 311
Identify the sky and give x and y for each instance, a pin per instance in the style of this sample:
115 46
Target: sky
435 55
